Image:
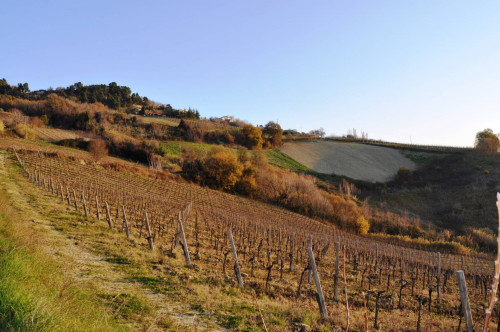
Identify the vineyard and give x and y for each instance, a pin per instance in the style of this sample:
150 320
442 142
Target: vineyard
54 135
273 251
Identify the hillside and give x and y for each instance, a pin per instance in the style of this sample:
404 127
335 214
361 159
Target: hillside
453 193
352 160
140 212
144 280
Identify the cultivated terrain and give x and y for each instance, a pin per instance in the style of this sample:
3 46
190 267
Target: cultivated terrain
352 160
119 213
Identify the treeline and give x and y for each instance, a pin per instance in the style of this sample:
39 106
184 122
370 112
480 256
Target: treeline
114 96
249 136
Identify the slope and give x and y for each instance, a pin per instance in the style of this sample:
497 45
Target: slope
352 160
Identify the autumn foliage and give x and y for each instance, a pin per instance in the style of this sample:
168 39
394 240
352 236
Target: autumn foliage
487 142
250 174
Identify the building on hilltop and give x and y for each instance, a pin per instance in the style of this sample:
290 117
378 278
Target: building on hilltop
228 118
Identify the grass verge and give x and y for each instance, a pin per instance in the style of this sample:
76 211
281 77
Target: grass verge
34 294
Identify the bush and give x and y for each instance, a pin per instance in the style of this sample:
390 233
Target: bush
24 131
98 149
74 143
222 169
2 126
404 174
37 122
362 225
45 119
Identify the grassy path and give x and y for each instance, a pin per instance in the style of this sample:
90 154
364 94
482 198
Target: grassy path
86 257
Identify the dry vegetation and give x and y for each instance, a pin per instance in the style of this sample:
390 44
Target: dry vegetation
268 240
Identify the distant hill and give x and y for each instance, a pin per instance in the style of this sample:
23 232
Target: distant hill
353 160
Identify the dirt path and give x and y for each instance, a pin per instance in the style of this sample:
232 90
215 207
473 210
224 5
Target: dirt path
353 160
89 268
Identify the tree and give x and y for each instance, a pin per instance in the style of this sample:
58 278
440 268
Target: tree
98 149
273 133
23 88
487 142
252 137
82 121
318 132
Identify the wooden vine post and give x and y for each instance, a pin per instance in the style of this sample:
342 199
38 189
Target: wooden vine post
184 243
321 299
236 263
336 277
465 300
494 286
108 216
62 192
67 195
150 238
97 208
345 291
84 205
310 272
125 222
439 275
74 198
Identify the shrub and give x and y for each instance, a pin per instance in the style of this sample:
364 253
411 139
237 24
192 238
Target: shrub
98 149
74 143
222 169
45 119
2 126
155 161
362 225
404 174
37 122
24 131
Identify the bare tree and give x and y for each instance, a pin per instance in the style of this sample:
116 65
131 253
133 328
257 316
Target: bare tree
98 149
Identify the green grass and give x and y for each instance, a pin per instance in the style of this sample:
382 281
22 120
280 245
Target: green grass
421 158
174 148
34 294
282 160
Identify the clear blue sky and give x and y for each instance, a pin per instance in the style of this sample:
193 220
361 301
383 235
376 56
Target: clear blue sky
429 70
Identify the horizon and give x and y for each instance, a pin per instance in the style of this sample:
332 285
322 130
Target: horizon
358 64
